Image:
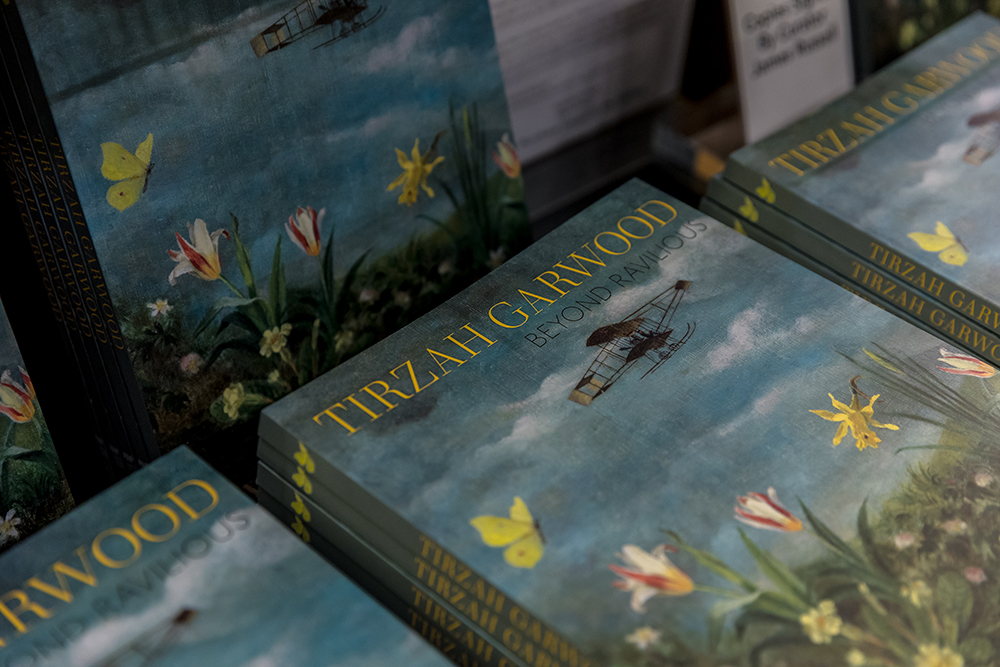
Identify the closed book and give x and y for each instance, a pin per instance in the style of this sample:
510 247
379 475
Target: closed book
227 200
649 439
33 488
175 566
901 173
898 296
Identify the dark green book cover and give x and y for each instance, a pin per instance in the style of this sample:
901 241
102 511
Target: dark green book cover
33 489
902 173
650 440
175 566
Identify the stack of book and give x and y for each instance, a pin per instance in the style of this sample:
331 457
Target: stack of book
891 190
173 567
650 440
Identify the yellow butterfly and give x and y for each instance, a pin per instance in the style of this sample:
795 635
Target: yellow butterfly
302 481
765 191
131 171
304 460
300 508
738 226
521 534
300 529
748 210
950 248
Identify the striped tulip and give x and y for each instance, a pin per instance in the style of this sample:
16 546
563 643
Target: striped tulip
17 401
760 511
506 158
200 255
962 364
303 229
649 574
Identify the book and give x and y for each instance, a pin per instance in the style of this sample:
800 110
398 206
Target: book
175 566
898 172
33 488
249 193
746 462
935 316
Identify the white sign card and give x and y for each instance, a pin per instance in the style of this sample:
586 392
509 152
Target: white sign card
792 57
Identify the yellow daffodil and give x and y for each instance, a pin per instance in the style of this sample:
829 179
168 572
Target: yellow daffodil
859 420
415 173
822 623
932 655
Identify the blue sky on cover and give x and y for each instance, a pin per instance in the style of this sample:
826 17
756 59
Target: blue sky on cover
9 353
728 414
913 176
256 136
263 599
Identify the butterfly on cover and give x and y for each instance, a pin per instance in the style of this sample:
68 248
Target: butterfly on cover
949 247
521 534
130 170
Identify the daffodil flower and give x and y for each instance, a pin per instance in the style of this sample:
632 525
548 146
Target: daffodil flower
16 400
303 229
200 255
506 158
760 511
859 420
648 574
415 173
962 364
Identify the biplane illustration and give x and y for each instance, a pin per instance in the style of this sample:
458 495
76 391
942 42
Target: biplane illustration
986 139
645 333
148 647
344 17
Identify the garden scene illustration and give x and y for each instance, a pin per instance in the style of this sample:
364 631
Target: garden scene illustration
305 200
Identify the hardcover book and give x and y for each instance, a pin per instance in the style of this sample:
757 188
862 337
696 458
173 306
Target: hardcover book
33 489
243 194
650 440
901 173
175 566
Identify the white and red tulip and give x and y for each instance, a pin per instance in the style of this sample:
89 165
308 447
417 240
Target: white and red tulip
760 511
506 158
648 574
200 255
962 364
303 229
16 400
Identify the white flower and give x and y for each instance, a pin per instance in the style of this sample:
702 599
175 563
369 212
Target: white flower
7 530
158 307
983 479
643 637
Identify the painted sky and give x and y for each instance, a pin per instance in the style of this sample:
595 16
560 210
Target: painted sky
728 414
263 598
255 136
10 356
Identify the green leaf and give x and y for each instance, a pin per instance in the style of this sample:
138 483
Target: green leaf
776 641
238 344
977 650
236 318
881 627
259 312
885 363
277 291
778 572
831 538
953 601
327 276
243 259
215 309
340 308
868 540
714 564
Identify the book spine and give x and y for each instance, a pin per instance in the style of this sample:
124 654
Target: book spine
442 629
895 296
82 271
419 556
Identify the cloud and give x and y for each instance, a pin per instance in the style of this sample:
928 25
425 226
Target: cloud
409 47
745 336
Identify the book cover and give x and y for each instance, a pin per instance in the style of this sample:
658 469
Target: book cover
899 172
33 489
175 566
270 187
745 463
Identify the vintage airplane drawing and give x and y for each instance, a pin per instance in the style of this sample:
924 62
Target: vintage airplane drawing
147 648
645 333
345 17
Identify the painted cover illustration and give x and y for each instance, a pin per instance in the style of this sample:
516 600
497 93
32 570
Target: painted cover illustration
910 160
700 453
174 566
33 490
271 186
